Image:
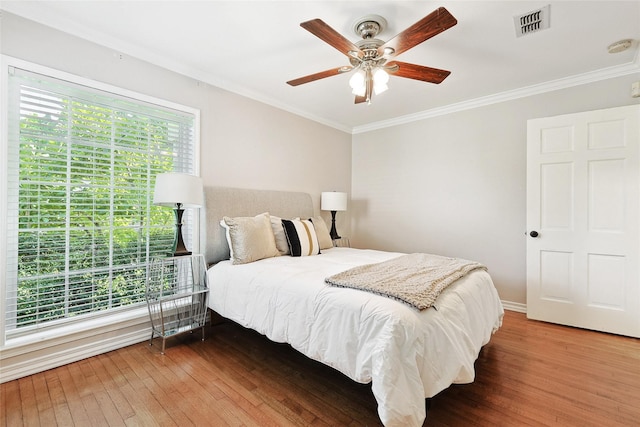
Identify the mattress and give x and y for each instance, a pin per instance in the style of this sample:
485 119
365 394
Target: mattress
407 355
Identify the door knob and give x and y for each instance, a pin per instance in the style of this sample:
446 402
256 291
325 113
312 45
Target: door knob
534 233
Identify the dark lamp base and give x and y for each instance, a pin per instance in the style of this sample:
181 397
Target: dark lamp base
179 249
334 232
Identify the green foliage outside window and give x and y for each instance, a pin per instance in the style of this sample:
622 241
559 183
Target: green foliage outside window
87 228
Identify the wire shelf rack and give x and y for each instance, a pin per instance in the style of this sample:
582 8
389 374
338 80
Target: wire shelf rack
176 296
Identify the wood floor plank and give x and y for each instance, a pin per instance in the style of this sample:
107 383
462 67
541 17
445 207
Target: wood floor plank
530 374
88 386
555 375
172 387
221 373
144 415
108 409
58 399
237 389
282 375
11 404
94 411
281 379
72 396
147 409
109 383
30 413
43 400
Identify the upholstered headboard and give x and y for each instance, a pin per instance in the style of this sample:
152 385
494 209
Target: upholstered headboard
232 202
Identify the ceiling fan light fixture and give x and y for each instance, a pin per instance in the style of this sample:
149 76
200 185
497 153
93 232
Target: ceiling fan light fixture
381 76
359 91
379 88
357 83
380 80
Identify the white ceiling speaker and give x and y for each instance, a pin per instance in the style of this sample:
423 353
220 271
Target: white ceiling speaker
619 46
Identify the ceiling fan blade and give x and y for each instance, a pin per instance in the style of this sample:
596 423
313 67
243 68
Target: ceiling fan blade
360 99
320 29
418 72
318 76
431 25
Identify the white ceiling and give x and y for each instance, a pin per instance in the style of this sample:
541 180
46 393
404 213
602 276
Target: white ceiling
253 48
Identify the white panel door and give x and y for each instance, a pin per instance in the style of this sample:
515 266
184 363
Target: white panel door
583 216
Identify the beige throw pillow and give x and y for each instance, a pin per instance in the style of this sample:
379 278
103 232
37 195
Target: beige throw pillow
324 239
250 238
278 233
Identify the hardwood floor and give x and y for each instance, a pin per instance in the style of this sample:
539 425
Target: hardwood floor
532 373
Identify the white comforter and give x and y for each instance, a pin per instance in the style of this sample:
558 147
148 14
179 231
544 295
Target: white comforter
406 354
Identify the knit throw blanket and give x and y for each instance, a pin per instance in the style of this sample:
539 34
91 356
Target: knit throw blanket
415 279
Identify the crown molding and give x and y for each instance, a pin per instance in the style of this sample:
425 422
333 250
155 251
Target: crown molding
550 86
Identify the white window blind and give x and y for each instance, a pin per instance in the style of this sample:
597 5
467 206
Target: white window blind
82 228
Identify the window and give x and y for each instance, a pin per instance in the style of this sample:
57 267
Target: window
81 226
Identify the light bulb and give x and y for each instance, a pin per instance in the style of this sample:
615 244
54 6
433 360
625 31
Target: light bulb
359 91
358 84
378 88
380 77
357 80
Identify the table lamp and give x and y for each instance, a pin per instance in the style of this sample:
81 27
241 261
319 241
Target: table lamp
179 191
333 201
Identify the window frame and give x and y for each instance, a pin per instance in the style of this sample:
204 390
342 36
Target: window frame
58 329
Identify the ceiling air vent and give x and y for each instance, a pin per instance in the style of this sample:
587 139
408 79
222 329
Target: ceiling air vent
532 21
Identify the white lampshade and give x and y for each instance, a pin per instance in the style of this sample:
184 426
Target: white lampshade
380 80
173 187
333 201
381 77
379 88
357 80
358 84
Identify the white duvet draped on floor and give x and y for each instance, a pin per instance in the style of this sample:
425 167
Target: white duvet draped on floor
406 354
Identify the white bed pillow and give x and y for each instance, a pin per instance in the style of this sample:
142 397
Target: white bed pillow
278 234
250 238
301 236
324 238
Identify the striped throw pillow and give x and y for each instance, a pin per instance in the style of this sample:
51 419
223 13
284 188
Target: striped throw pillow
301 237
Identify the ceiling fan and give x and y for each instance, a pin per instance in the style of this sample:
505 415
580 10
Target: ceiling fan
369 57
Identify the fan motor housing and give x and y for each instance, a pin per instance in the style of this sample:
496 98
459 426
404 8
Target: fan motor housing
370 49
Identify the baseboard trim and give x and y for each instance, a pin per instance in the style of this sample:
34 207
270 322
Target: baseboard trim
46 362
32 358
514 306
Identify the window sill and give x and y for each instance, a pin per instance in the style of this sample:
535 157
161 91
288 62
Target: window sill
77 328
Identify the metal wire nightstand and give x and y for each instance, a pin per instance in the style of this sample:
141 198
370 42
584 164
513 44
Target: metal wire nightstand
177 296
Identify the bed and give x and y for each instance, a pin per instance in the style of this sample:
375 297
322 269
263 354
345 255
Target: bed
406 354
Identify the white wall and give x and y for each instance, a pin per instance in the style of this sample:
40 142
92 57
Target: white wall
456 184
244 144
